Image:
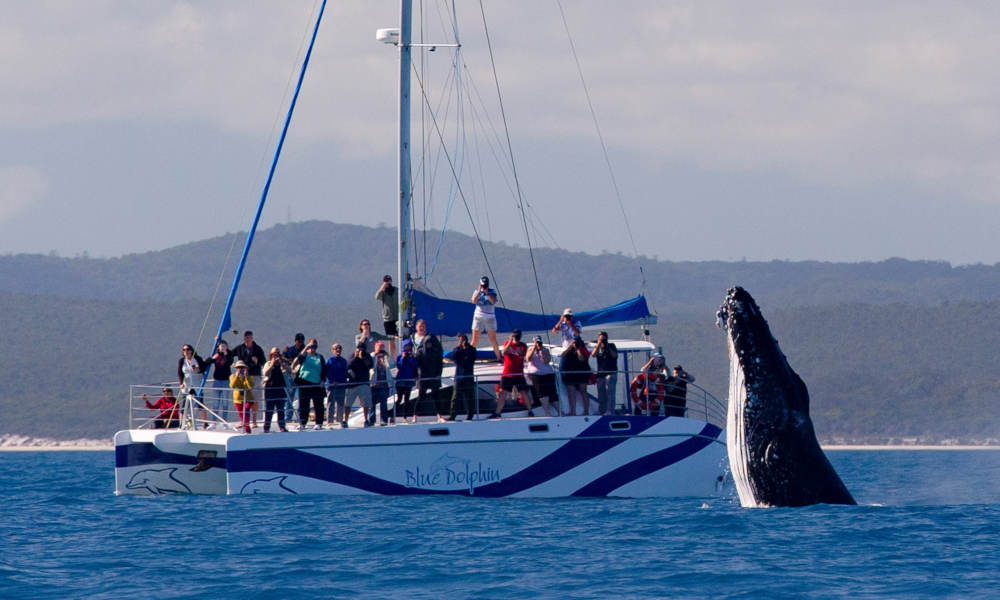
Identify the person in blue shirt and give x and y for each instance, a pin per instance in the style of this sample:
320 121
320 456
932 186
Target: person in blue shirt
310 373
485 317
336 385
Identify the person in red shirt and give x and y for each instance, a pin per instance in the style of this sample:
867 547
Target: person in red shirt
512 379
167 405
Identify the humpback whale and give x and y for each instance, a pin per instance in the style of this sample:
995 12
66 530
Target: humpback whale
773 453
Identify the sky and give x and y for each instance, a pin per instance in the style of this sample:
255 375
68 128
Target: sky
835 131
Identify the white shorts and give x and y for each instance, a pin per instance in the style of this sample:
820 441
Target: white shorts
481 322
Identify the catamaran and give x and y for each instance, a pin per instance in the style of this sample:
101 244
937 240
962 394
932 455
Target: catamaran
634 452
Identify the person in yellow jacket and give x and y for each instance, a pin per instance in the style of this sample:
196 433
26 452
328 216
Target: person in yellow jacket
242 386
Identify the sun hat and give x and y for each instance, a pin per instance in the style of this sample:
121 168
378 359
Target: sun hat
239 365
567 312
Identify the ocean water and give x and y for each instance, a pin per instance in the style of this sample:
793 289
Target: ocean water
927 527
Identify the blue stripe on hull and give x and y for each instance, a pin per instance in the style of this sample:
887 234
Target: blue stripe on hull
589 444
627 473
139 454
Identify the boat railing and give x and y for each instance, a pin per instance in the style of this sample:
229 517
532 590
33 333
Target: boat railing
694 402
213 408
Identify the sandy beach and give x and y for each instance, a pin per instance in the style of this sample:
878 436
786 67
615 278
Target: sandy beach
24 443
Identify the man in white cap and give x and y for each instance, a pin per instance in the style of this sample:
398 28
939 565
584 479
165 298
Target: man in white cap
568 327
484 316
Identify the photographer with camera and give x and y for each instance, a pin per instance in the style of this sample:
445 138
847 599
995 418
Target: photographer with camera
575 368
274 375
464 391
309 369
567 327
358 387
512 379
606 355
485 316
540 375
388 295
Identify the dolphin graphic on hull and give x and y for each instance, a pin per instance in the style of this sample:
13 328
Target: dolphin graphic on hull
274 485
773 453
158 481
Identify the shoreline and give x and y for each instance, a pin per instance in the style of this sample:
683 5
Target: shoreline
98 447
838 447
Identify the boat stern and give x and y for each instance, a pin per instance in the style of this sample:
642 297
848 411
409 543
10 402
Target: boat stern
156 462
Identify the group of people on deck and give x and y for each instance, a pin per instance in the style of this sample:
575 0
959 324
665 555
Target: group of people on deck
372 373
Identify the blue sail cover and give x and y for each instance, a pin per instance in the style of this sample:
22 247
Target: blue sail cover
449 317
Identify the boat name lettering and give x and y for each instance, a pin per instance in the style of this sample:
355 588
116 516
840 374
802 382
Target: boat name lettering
462 473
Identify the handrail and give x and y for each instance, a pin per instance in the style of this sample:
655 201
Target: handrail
207 406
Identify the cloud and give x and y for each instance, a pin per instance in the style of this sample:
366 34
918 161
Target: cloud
824 101
20 187
843 94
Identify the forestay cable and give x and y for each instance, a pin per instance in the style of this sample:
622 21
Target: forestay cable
604 146
513 166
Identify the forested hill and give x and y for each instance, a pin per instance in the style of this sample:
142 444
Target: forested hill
891 350
344 263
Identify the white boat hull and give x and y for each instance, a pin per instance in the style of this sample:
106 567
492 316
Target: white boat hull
628 456
170 461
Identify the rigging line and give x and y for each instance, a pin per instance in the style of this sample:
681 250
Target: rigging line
478 119
604 146
513 166
544 232
254 183
428 183
484 192
485 118
450 82
460 142
423 155
461 193
226 316
485 121
488 127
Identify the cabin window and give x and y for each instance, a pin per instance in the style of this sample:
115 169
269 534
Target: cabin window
438 431
620 425
538 428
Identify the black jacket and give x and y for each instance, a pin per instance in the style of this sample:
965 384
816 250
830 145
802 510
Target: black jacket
246 354
464 359
430 357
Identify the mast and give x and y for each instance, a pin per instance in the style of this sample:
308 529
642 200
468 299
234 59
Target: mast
403 168
226 321
403 39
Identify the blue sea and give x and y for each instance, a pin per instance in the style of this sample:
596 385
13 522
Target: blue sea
927 527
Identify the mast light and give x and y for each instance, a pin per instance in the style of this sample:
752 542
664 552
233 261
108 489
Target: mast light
387 35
